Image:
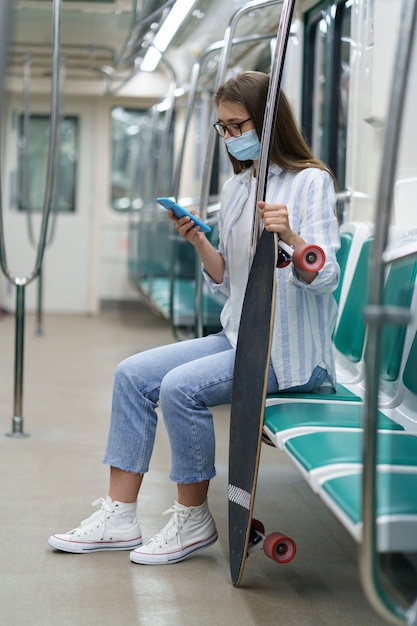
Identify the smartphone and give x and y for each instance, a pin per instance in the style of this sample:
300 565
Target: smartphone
179 211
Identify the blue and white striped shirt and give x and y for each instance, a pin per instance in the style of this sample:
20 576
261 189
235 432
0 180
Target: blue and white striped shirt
305 314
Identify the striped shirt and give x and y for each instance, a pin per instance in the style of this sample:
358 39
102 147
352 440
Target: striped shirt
305 314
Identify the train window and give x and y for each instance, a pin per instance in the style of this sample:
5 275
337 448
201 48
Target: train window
326 82
32 164
341 69
318 108
136 138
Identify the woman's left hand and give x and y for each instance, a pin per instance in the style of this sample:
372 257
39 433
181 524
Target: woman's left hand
275 218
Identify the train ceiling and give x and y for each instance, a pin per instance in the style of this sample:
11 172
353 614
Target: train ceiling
105 41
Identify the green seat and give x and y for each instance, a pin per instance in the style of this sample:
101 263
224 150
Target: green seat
349 337
398 291
396 508
284 420
324 393
321 454
396 489
342 259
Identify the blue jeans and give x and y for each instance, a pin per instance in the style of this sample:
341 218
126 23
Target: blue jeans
185 378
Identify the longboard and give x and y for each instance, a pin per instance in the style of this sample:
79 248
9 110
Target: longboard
253 355
248 398
250 381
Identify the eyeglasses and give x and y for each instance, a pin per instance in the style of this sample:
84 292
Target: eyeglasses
235 129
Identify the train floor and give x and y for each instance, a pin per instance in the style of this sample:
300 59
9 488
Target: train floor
49 478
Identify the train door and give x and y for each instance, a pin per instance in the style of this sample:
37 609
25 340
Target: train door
67 267
327 51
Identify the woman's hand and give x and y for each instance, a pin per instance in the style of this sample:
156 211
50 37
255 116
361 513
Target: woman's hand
211 259
275 218
187 228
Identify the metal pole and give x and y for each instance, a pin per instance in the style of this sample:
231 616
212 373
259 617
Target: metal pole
17 420
20 283
208 166
376 315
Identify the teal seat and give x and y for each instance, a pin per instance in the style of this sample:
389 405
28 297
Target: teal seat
321 454
396 508
349 337
349 334
282 421
341 393
398 291
184 301
342 256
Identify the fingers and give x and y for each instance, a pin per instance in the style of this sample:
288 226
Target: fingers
187 228
275 218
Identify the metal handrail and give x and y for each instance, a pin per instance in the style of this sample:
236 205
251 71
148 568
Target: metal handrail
377 315
23 281
192 94
5 21
208 165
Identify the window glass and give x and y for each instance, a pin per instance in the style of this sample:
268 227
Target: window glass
342 60
318 95
326 82
136 142
33 144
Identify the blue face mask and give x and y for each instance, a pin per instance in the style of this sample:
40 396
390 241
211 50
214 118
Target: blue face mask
246 147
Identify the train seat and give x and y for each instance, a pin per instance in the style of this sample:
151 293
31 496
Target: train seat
399 291
396 509
166 272
352 237
284 421
184 302
330 459
320 455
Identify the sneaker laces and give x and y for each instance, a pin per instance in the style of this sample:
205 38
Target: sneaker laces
97 518
171 529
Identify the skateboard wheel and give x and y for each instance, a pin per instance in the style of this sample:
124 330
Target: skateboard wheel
279 548
309 258
283 259
258 526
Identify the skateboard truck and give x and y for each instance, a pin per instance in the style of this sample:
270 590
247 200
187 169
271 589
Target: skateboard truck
276 546
309 257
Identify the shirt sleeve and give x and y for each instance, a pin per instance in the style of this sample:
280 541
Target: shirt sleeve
314 218
223 287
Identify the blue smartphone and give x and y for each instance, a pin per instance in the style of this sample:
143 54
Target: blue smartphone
179 211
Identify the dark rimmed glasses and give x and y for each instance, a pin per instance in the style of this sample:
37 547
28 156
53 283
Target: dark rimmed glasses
235 129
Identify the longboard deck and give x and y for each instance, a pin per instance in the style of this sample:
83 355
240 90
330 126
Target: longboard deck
248 398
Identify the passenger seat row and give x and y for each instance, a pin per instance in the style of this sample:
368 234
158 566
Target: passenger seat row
323 433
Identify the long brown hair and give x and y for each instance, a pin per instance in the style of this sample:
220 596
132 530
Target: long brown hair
289 149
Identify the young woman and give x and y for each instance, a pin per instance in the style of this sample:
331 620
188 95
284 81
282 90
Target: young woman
189 377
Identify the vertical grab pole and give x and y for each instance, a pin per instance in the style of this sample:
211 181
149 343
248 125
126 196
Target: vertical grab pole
208 164
20 283
17 421
370 574
5 22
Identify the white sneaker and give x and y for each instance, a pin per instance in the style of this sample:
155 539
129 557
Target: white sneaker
113 527
188 530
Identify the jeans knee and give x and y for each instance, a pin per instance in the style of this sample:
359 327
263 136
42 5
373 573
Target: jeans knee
170 391
121 373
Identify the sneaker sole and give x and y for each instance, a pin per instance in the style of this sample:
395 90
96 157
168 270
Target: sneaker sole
171 557
78 547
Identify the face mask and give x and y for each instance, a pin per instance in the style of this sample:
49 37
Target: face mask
246 147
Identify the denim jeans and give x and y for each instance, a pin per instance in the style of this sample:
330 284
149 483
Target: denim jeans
185 378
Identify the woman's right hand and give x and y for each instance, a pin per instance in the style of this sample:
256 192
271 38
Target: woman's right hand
187 228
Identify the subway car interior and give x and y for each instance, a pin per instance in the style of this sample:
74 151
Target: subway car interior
105 106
